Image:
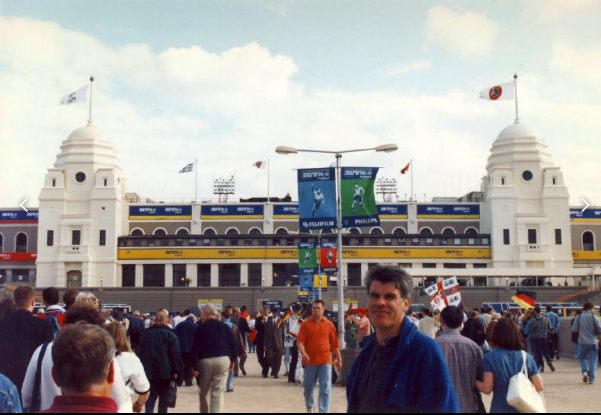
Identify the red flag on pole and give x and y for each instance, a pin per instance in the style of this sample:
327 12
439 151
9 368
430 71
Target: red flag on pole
406 168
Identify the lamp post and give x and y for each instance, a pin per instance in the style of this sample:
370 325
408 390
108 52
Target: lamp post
387 148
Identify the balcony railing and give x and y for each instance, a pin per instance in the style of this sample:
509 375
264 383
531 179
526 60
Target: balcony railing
482 240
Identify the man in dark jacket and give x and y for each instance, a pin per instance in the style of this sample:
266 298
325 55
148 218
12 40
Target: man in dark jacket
274 342
185 333
215 351
135 330
260 341
20 335
160 355
474 329
399 369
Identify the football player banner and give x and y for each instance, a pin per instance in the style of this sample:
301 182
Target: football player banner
359 207
444 293
307 257
317 199
328 256
306 281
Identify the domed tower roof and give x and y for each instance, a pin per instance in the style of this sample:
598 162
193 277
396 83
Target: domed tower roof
88 145
517 143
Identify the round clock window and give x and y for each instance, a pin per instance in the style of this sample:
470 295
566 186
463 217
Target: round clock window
80 177
527 175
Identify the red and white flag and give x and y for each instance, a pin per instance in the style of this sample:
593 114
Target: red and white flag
405 169
444 293
499 92
260 164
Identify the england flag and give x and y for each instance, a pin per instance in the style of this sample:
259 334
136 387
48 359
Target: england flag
188 168
75 97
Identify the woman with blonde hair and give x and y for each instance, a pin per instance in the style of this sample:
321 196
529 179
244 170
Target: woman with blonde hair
132 370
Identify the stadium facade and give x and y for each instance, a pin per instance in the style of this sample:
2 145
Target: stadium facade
89 232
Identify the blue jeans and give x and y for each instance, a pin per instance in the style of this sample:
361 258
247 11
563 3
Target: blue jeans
230 380
324 374
588 355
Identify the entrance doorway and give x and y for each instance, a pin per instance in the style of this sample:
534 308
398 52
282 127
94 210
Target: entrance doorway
74 279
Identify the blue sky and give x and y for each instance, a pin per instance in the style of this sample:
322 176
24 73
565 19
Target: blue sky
209 78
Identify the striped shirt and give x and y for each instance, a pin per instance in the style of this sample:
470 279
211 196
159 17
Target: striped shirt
465 361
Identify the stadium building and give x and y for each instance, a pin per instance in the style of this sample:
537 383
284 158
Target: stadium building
89 232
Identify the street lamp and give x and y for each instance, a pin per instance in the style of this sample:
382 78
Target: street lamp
386 148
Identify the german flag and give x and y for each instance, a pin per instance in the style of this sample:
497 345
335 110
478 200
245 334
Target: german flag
524 300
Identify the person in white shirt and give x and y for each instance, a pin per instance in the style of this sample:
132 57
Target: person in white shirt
48 388
132 370
427 325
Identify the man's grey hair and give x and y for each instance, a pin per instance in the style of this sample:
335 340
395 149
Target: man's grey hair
209 310
390 274
82 354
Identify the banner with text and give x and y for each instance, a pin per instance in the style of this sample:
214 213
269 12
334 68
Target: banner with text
328 256
307 257
444 293
359 207
317 198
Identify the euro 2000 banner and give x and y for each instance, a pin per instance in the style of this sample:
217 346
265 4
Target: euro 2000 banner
317 198
359 207
444 293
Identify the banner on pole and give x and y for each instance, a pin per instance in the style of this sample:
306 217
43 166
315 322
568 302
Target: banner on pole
320 282
307 256
317 198
328 256
444 293
359 207
306 280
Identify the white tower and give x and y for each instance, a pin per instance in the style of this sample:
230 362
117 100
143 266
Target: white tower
81 214
527 204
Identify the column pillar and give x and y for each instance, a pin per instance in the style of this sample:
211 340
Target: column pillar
192 273
244 275
214 275
267 275
139 275
168 275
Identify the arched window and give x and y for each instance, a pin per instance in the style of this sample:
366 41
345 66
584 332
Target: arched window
209 232
471 232
255 232
281 231
137 232
376 231
399 232
232 232
21 242
160 232
588 241
182 232
354 231
448 232
425 232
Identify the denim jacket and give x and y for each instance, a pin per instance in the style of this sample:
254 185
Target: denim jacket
9 397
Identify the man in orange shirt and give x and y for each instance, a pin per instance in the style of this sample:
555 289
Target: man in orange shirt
317 342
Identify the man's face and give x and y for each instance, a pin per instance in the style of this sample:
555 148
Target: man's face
317 311
386 306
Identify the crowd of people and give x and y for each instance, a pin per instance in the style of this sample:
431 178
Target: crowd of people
80 358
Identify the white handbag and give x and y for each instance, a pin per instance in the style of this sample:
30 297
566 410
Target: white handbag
522 394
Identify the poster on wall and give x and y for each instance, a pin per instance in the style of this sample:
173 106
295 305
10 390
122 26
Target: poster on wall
317 199
359 207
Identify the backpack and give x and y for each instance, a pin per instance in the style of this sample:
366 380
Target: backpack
55 318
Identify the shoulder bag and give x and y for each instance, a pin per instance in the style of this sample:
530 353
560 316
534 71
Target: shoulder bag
522 394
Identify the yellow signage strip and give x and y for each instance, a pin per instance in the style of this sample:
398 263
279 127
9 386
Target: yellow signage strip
448 216
393 216
585 220
291 253
237 217
285 216
586 255
138 218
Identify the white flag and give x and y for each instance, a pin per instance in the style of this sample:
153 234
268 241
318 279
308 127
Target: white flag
499 92
75 97
432 290
187 168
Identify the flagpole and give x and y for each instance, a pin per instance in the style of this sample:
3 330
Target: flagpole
90 112
268 178
196 181
411 164
515 82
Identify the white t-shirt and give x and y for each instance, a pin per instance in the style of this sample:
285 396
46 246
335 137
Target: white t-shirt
49 389
133 374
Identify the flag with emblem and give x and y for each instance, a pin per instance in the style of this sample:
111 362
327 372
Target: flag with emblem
499 92
75 97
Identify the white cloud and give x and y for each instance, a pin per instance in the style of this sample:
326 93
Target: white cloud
466 33
164 109
578 62
406 69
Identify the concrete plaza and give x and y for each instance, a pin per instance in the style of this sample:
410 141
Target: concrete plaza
564 392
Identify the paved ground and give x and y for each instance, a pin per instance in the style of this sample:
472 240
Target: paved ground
564 392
